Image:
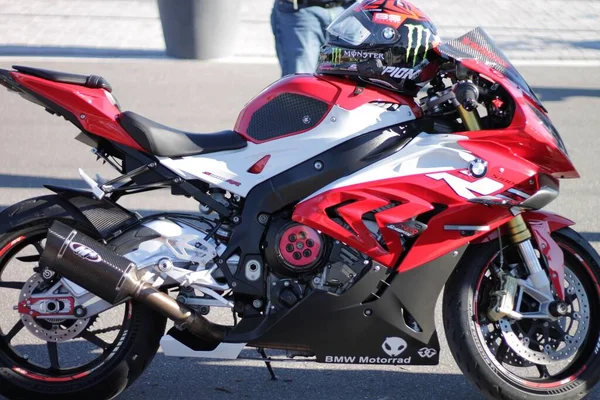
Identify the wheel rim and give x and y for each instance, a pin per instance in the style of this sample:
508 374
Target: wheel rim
508 363
93 347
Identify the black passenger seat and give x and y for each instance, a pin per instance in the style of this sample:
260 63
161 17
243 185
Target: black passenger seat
90 81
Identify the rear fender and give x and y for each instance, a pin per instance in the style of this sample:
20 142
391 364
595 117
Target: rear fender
542 224
99 217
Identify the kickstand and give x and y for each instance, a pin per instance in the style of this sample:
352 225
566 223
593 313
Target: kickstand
268 363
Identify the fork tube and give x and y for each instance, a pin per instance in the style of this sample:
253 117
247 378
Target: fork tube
521 237
470 119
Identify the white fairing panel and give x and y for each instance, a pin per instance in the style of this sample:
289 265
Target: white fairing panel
174 348
229 169
427 153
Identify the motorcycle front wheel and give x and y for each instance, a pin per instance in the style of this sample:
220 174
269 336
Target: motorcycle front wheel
87 358
547 359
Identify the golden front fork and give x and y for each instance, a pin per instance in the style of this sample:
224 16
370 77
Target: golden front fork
518 230
470 119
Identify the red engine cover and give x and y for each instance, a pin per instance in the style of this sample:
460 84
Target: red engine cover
298 103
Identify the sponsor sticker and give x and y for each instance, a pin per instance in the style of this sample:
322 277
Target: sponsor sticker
384 17
230 181
85 252
392 346
426 352
401 73
416 34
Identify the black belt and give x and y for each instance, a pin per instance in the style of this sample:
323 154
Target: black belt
317 3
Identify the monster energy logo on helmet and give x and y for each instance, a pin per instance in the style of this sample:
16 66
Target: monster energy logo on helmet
336 55
421 33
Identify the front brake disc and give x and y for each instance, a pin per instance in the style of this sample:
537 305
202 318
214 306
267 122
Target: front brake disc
575 326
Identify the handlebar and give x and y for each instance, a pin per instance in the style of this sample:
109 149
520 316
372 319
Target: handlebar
467 95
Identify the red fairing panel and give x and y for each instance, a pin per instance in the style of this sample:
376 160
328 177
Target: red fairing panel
526 137
405 198
100 114
330 90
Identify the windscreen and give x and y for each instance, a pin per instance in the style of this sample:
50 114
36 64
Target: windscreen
479 46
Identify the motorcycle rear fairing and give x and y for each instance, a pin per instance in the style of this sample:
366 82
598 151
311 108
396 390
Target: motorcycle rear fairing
93 110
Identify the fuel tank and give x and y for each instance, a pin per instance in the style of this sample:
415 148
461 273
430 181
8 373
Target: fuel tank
298 103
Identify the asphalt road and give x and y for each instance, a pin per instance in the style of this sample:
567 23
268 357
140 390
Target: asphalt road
38 148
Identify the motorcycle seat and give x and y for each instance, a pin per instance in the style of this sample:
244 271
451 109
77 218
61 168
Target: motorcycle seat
91 81
163 141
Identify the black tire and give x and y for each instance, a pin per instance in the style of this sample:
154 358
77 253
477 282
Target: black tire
136 344
466 344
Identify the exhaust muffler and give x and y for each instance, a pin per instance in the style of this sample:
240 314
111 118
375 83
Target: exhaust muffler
114 278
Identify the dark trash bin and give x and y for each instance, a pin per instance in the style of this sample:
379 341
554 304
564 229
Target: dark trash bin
200 29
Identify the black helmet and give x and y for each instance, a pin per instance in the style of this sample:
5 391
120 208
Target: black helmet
388 43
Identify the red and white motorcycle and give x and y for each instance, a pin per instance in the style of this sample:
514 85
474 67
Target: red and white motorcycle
336 208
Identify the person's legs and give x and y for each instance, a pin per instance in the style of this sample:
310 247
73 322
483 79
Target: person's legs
299 35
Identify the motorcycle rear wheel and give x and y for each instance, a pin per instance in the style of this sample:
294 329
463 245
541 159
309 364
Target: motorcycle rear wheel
120 362
496 378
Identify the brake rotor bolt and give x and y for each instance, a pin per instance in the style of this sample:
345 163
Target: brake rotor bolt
571 290
576 316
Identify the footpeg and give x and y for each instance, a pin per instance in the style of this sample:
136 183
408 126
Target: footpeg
96 187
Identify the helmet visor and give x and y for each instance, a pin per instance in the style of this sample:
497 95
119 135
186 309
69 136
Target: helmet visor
349 28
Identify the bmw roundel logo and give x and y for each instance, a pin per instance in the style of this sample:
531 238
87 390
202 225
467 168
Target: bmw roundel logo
478 168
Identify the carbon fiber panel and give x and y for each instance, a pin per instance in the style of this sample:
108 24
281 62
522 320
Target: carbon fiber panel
86 262
105 217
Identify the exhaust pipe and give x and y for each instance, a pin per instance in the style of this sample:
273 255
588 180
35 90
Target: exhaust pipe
113 278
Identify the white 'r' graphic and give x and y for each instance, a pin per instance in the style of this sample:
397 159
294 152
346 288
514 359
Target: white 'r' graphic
465 189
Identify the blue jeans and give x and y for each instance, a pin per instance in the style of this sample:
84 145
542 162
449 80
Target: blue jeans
299 35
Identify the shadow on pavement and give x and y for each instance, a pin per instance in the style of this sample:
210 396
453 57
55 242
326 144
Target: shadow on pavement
591 236
83 52
214 379
29 182
587 44
559 94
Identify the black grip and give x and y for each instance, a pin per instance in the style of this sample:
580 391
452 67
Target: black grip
467 95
